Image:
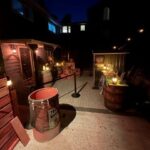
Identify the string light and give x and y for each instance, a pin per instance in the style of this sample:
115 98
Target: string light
128 39
114 47
140 30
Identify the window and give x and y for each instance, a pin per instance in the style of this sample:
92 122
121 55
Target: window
82 27
106 15
22 9
66 29
51 27
69 29
29 14
18 7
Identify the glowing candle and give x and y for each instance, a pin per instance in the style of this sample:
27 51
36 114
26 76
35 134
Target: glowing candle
114 80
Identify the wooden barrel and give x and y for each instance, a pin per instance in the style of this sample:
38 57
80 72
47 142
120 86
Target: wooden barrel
114 97
44 113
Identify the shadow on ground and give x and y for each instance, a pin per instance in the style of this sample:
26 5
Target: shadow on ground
144 110
67 115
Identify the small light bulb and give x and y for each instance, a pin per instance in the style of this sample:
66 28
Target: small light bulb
9 83
114 80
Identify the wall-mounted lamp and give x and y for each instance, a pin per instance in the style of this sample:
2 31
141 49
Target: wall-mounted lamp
9 83
36 51
13 49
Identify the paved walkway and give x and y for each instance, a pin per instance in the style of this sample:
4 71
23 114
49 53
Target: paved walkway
88 125
89 98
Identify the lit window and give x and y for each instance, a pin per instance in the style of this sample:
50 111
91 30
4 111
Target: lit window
69 29
66 29
51 27
82 27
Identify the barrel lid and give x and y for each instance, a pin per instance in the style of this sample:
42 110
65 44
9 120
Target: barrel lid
43 94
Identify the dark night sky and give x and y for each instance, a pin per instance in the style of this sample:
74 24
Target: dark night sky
77 8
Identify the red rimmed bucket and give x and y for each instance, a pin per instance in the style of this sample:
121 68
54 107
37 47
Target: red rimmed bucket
44 113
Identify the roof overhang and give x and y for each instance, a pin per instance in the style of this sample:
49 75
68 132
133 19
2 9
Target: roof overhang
30 41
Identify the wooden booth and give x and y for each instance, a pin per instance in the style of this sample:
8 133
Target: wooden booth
23 64
107 75
109 63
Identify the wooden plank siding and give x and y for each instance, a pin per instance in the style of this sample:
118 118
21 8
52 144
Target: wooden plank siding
5 110
4 101
23 67
11 62
14 69
8 136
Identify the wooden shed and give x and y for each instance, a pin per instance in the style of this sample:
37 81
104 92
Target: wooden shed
23 59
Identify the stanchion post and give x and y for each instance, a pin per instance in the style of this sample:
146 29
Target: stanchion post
75 94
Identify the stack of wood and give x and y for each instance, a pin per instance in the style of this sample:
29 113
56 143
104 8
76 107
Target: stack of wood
8 137
11 129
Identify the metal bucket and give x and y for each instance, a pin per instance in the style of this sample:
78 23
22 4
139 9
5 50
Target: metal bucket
44 113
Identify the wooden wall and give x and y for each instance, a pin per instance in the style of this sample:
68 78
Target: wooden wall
14 70
18 67
7 134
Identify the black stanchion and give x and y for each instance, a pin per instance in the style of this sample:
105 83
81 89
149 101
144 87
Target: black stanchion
75 94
